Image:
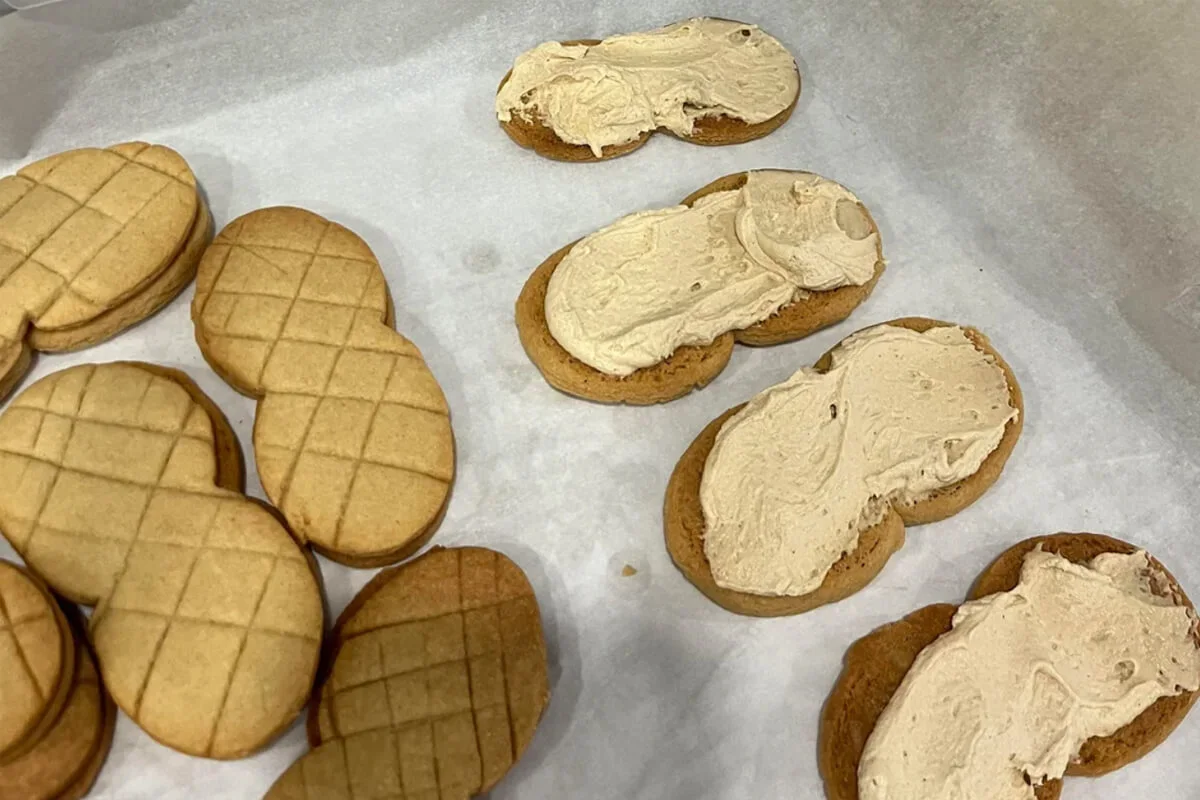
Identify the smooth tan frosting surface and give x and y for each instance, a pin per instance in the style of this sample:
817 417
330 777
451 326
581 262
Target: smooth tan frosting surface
630 294
1026 677
808 464
611 93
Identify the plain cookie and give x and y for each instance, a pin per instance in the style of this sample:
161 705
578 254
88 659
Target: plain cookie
352 436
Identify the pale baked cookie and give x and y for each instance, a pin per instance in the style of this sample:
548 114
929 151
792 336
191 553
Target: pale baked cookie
126 495
352 437
438 683
37 661
64 763
769 233
686 522
708 81
876 666
91 242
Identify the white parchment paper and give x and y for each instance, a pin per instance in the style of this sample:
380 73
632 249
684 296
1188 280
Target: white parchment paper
1033 166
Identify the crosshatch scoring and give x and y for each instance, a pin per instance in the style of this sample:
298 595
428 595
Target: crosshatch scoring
81 230
293 308
203 599
437 686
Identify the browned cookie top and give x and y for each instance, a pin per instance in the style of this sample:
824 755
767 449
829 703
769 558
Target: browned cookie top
437 685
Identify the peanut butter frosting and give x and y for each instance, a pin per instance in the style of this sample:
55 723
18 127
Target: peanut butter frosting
808 464
612 92
630 294
1004 701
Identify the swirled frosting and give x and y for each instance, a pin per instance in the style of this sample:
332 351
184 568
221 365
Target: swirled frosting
630 294
1004 701
808 464
612 92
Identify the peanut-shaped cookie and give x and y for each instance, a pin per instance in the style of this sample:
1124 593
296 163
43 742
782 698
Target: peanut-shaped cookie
352 437
91 242
1075 654
438 683
800 496
125 495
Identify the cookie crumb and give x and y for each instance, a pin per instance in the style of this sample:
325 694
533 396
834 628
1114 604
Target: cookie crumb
628 571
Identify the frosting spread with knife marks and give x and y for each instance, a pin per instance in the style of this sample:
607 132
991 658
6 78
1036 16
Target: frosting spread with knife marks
630 294
795 476
612 92
1005 700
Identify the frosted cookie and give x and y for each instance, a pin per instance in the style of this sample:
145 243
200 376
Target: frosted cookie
37 661
799 497
91 242
126 496
648 308
1075 655
352 437
64 763
709 81
438 683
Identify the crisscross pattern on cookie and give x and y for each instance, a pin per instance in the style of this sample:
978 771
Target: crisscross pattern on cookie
209 618
30 653
82 230
436 689
352 439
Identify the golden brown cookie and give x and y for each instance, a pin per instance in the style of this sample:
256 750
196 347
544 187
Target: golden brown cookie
715 130
687 368
65 762
438 682
37 661
876 664
208 615
160 291
85 239
683 518
352 437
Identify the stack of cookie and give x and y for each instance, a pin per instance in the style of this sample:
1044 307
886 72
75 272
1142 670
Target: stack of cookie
127 494
208 617
56 720
91 242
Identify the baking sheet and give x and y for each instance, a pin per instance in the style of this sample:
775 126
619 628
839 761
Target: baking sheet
1033 168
